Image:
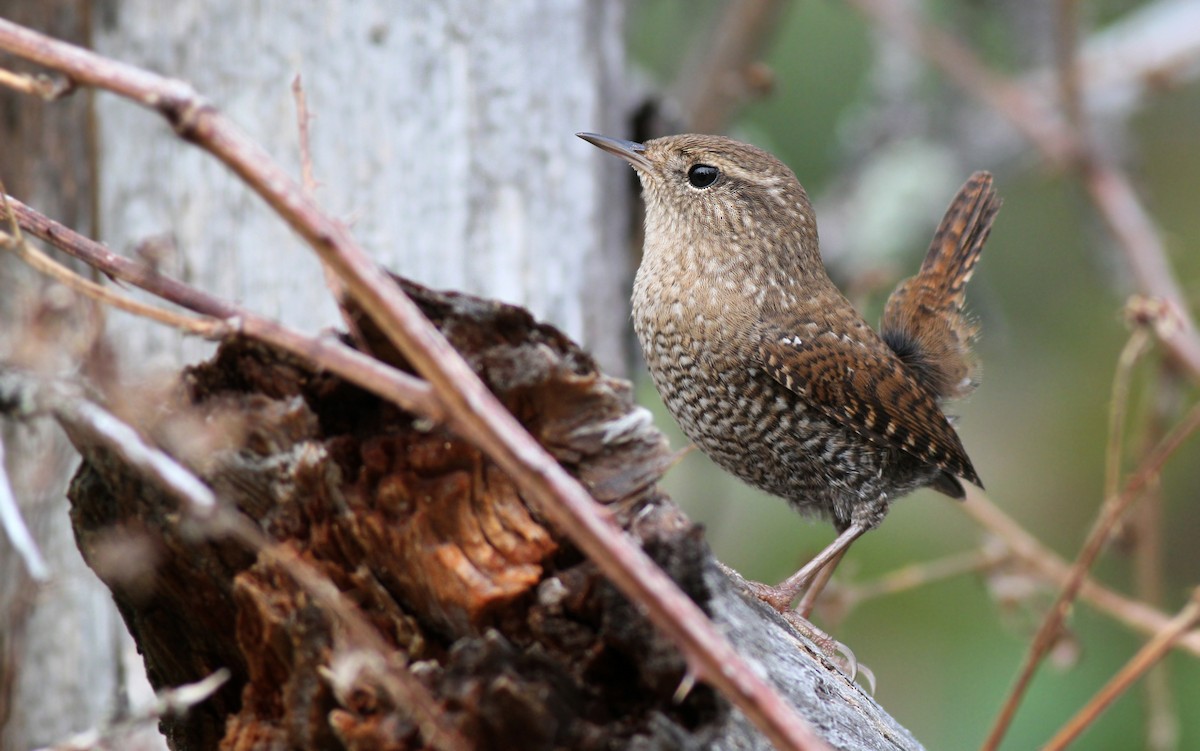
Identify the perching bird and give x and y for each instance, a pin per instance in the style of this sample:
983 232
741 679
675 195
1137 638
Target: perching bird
765 364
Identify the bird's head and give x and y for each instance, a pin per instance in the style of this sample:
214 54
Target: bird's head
717 195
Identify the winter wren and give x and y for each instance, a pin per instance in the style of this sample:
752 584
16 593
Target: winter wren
767 366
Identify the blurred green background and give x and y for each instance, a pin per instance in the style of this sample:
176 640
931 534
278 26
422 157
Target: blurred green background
1049 294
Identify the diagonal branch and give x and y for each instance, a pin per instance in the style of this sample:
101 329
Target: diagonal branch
472 410
1109 189
1149 655
90 424
1136 615
1112 511
399 387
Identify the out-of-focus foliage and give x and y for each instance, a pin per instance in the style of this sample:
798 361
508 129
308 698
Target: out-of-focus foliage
1049 293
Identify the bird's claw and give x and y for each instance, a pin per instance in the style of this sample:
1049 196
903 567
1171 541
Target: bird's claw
837 652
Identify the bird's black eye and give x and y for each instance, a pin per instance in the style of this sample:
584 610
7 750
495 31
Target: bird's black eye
703 175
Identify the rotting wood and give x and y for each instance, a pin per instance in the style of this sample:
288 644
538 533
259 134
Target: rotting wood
519 636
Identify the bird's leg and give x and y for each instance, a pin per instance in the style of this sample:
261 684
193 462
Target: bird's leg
781 595
832 648
809 600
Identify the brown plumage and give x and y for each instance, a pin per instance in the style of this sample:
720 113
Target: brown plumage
766 365
924 321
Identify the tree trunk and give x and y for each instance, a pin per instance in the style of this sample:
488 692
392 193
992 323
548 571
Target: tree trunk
63 647
443 132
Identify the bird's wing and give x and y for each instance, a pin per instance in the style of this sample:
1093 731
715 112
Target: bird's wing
859 383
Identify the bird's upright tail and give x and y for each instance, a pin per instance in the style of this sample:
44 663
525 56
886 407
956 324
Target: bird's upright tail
924 321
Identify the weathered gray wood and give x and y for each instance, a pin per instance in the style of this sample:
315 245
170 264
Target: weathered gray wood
442 132
840 710
60 643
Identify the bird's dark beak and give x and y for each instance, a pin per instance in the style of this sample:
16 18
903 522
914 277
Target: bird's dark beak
630 151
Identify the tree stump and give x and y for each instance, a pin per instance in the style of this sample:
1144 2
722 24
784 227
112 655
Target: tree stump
523 644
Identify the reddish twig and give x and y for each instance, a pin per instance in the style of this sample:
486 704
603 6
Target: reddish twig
93 425
1136 615
1107 187
1112 511
473 411
1146 658
205 327
399 387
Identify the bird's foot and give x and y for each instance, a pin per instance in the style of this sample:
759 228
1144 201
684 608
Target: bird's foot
780 598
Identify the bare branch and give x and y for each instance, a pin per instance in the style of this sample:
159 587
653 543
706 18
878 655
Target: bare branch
1070 85
1112 511
724 70
1137 346
1136 615
362 370
1146 658
842 599
474 412
15 529
28 394
1149 558
1030 115
303 118
1108 188
173 701
39 261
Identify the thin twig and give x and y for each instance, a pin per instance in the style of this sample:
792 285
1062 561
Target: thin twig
474 411
1135 347
28 394
1162 711
1146 658
1161 720
396 386
1070 84
39 261
303 118
724 70
1112 511
1108 188
15 529
43 87
916 575
92 425
1138 616
309 181
1031 116
173 701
